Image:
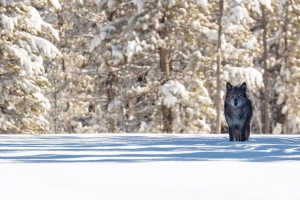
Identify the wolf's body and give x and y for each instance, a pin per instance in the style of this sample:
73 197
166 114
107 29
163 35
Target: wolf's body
238 112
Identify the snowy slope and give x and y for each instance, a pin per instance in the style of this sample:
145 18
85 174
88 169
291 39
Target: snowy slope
149 166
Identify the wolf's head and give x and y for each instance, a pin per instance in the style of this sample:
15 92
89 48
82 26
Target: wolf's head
236 96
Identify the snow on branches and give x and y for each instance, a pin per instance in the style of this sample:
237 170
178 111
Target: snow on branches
172 90
238 75
22 66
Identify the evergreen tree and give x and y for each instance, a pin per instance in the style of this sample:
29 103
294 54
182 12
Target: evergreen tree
24 46
235 47
74 75
145 45
287 60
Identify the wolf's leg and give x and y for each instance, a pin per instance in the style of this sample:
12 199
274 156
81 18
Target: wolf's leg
248 130
237 135
231 133
243 134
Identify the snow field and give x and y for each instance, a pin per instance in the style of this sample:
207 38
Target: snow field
149 166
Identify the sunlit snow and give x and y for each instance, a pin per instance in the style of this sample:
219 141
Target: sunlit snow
202 3
170 90
239 13
55 4
238 75
8 22
132 48
149 166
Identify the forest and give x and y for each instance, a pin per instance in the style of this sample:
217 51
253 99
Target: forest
147 66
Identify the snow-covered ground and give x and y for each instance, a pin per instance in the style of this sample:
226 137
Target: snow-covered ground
149 166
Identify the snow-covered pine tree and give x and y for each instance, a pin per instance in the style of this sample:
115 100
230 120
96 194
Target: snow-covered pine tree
147 45
287 61
24 45
75 95
240 46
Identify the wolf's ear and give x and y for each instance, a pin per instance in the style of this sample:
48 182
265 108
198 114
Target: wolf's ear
228 87
244 87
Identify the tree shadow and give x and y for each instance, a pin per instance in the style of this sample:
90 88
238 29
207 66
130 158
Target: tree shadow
146 148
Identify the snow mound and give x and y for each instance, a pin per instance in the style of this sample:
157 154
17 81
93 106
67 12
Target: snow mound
238 75
172 90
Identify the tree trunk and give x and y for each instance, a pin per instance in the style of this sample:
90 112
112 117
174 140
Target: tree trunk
165 69
287 124
55 101
60 29
164 63
266 96
111 95
166 112
285 27
279 116
256 114
218 97
167 119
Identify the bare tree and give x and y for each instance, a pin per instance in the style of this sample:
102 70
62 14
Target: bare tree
266 95
285 29
165 69
218 99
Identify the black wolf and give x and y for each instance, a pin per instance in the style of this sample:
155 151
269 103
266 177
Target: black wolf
238 112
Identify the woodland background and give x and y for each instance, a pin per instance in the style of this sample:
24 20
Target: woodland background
156 66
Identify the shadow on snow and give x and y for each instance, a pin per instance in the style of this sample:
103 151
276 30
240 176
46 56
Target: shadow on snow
141 148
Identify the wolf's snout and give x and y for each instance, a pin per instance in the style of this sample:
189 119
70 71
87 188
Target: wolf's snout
235 102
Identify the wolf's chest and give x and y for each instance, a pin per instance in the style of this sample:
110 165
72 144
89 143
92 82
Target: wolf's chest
235 115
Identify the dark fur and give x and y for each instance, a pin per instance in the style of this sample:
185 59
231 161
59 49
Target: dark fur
238 112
